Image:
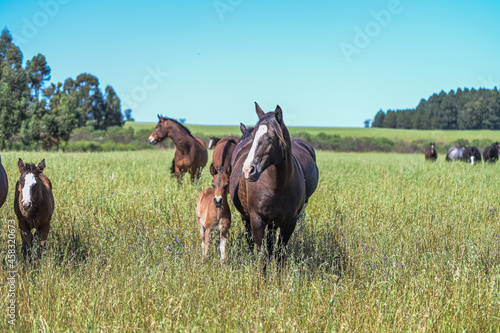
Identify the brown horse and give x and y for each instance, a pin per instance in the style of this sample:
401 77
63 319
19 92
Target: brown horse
430 153
274 176
33 204
224 151
4 184
213 209
190 153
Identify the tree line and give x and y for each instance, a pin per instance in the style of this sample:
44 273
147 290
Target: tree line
36 113
463 109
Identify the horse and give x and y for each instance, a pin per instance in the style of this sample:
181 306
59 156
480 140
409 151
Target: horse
4 184
212 142
472 154
272 180
212 209
190 153
33 204
455 154
430 153
224 151
490 153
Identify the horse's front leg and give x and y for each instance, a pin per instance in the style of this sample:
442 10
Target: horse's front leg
42 234
258 227
285 234
271 239
26 238
224 225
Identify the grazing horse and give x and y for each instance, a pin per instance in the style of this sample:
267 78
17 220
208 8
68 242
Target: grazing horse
430 153
490 153
455 154
190 153
4 184
33 204
213 209
273 177
212 142
472 154
224 151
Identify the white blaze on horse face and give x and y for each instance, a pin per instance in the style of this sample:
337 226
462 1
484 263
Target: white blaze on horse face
251 155
29 181
472 160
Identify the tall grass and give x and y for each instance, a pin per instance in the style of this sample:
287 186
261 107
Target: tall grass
389 243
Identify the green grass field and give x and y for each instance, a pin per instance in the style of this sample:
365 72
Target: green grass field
389 243
438 136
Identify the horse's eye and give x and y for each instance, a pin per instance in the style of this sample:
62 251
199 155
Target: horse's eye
226 186
213 186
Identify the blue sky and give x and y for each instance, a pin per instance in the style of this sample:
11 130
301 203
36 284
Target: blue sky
326 63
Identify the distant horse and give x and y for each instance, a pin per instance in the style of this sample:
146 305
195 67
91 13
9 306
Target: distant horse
190 154
33 204
213 209
455 154
430 153
224 151
212 142
245 132
273 177
490 153
4 184
472 154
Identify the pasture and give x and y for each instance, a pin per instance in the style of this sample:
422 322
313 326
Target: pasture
389 243
439 136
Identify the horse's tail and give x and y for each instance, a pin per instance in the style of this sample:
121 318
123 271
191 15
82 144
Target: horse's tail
226 147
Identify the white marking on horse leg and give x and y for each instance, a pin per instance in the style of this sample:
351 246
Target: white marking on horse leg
29 181
251 155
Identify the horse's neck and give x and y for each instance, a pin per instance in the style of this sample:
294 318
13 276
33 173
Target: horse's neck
285 170
181 139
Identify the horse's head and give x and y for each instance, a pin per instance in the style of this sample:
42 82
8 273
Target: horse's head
212 142
160 132
29 183
433 147
220 183
496 146
269 144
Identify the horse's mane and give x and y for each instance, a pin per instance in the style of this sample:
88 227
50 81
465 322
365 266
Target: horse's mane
226 147
282 133
188 132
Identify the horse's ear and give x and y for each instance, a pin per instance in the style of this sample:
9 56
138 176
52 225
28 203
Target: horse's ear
243 128
259 111
228 169
278 113
20 165
213 170
159 117
41 165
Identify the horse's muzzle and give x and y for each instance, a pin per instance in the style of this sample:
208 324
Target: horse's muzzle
250 173
152 141
218 202
27 206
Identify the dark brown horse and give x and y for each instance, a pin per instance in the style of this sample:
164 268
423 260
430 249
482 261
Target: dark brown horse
430 153
491 153
4 184
224 151
212 142
190 153
273 177
33 204
213 209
